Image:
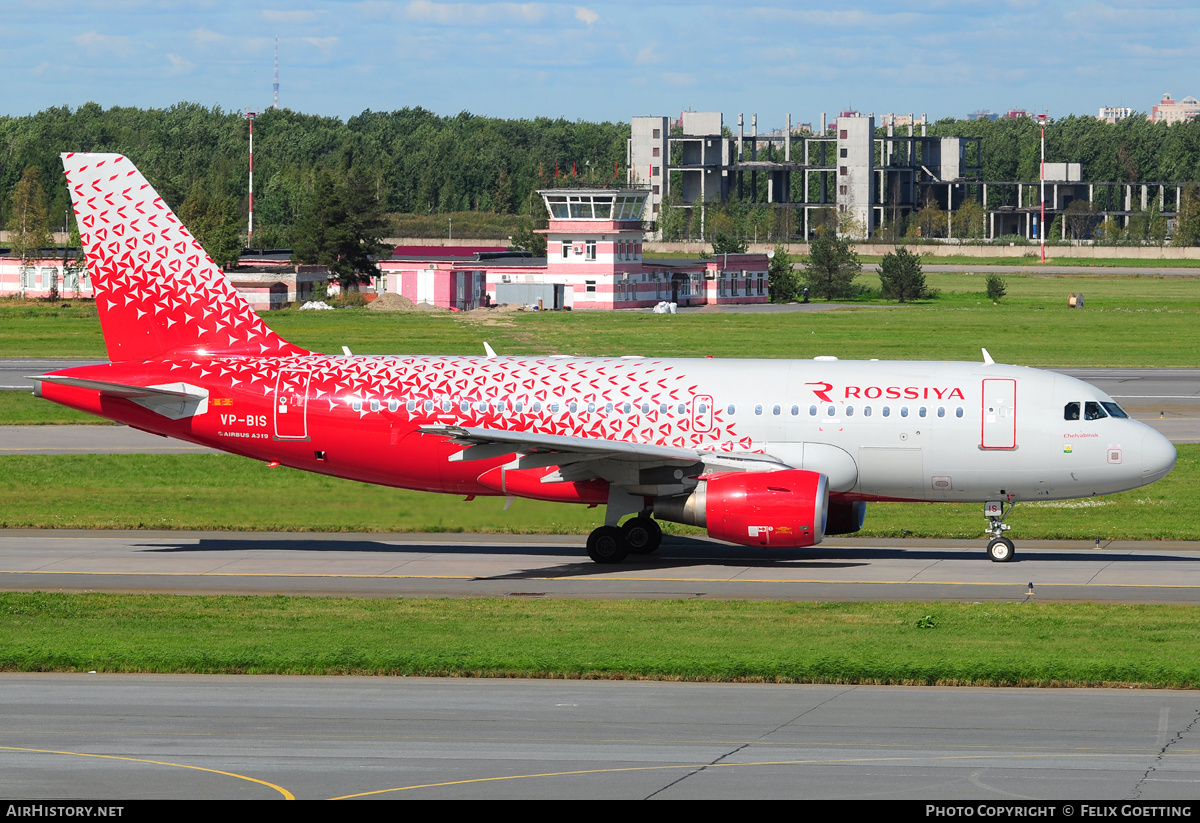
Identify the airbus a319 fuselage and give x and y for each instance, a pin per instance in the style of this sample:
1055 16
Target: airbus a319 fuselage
774 453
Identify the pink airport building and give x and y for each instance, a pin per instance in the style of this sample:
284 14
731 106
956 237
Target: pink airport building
593 251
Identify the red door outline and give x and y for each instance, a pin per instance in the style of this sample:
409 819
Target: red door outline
998 428
291 405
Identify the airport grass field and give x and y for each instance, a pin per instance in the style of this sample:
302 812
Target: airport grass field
1129 320
1014 644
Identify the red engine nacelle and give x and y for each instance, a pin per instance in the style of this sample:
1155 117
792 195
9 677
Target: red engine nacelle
784 509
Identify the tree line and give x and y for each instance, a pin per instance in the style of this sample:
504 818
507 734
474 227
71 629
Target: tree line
416 162
409 161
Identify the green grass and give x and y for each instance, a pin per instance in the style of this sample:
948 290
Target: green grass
1029 256
21 408
874 643
467 224
196 491
1130 320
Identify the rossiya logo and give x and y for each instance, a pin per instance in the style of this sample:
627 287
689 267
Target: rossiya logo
888 392
823 392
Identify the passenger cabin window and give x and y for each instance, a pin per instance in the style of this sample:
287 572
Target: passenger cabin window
758 409
812 411
866 411
958 412
849 411
1092 411
904 411
1071 411
795 411
887 411
941 411
775 410
730 409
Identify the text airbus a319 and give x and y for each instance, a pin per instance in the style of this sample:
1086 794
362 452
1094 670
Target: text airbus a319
758 452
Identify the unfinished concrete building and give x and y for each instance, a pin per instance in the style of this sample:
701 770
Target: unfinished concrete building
864 181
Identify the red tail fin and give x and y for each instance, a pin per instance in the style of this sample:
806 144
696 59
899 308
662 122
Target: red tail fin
156 290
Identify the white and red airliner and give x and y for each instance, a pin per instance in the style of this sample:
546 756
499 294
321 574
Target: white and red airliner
758 452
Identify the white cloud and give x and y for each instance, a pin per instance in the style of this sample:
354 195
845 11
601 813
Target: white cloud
295 16
476 14
207 37
326 45
648 56
586 15
179 65
95 41
675 78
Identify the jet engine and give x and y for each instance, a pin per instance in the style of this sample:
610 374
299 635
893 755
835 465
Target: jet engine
845 517
783 509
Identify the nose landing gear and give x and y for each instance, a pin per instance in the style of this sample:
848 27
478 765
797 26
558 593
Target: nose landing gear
1000 549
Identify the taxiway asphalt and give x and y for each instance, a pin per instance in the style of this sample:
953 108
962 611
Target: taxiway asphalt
556 566
245 737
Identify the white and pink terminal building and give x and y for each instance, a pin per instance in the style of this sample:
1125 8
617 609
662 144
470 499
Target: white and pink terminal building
593 251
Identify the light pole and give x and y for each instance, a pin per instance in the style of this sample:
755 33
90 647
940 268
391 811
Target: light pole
1042 219
250 115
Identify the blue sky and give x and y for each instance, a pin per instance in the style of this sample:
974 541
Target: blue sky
602 59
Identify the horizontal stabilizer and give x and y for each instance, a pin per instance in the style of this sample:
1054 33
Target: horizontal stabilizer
172 400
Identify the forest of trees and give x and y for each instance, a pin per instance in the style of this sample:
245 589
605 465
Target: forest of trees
407 161
412 161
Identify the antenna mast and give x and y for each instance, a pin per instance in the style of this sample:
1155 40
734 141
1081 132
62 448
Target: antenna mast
276 85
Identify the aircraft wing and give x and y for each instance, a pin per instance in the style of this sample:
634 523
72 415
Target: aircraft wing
485 444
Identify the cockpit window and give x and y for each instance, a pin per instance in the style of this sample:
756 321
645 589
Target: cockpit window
1071 411
1092 411
1115 410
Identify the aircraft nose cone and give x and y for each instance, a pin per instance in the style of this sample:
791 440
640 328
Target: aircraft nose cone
1158 456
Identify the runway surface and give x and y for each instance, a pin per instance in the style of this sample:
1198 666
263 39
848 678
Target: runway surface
556 566
244 737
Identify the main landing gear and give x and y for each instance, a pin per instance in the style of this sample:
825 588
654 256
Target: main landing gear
612 544
1000 549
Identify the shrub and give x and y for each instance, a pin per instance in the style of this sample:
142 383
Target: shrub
995 287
